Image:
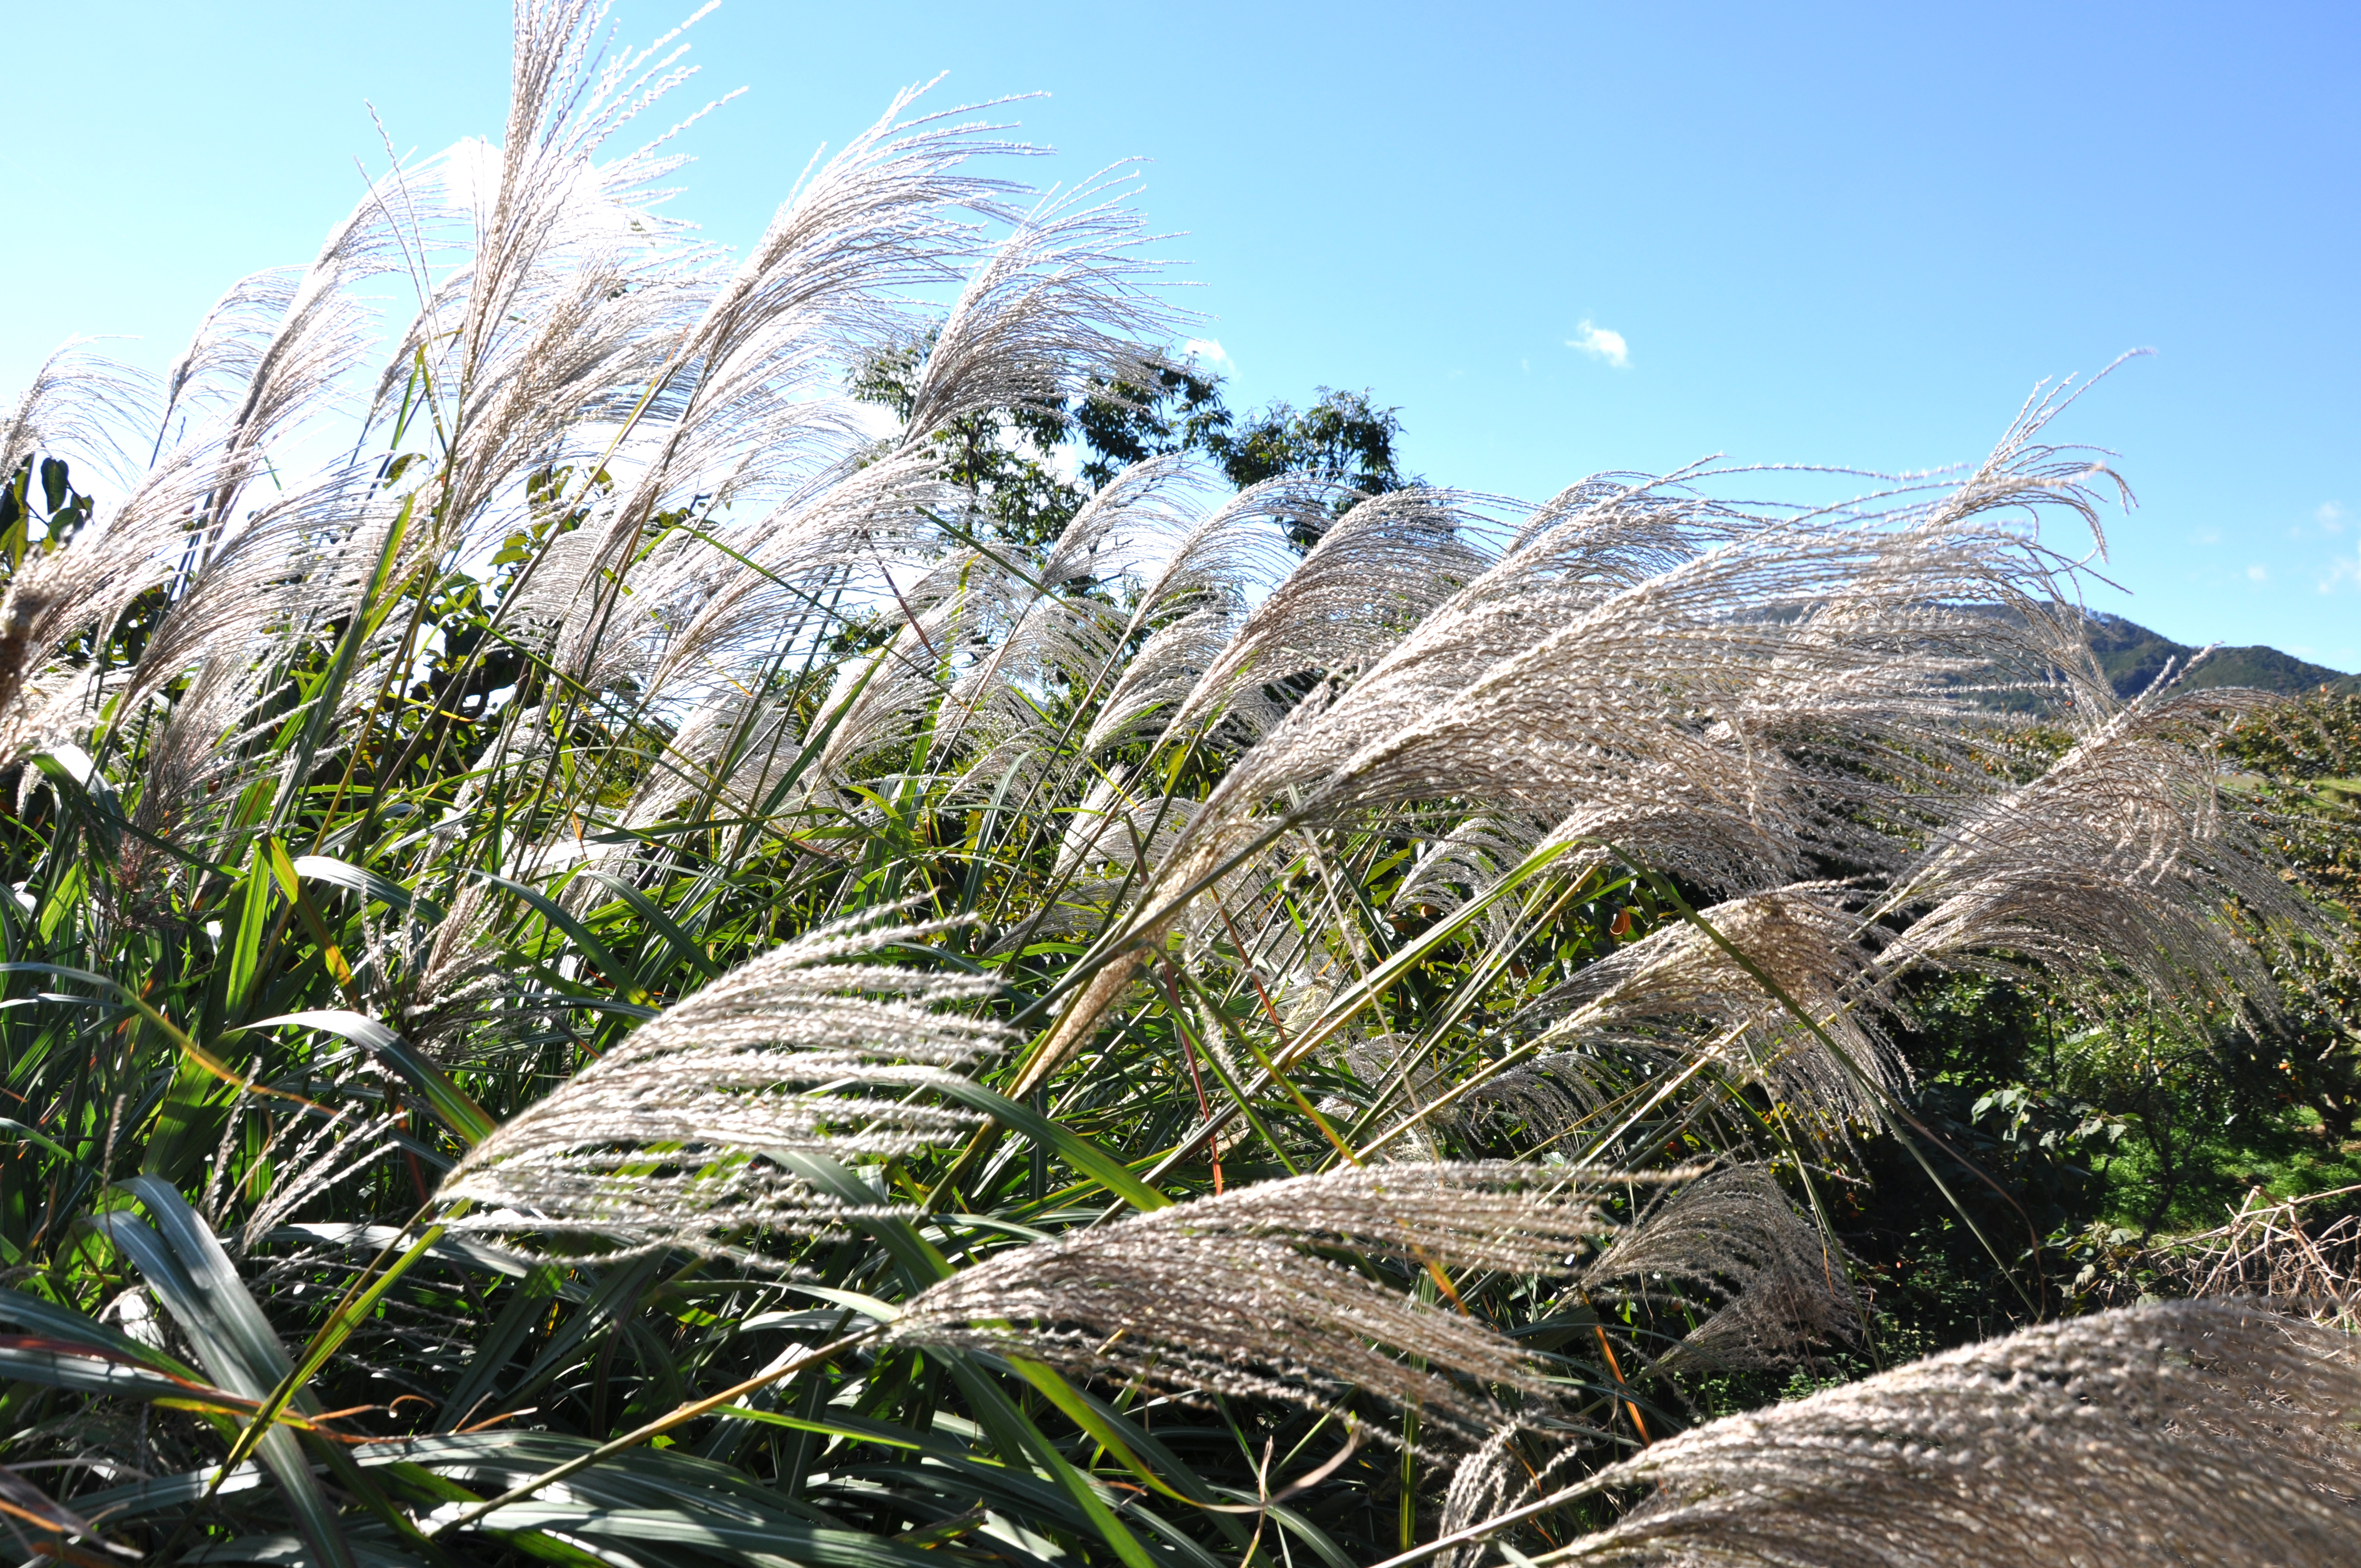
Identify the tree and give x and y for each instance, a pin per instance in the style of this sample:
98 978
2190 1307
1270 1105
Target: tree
1342 436
1005 459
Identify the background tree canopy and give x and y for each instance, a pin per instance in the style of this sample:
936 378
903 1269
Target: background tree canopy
1004 456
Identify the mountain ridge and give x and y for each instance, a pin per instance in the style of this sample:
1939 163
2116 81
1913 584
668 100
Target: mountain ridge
2132 657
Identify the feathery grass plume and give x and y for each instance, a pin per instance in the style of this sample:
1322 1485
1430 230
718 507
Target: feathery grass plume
1609 696
195 757
83 583
1230 1294
1493 1480
1397 1068
705 622
567 97
1833 758
1375 574
77 405
176 515
223 354
1548 686
1468 860
1186 620
1547 1095
569 290
1064 296
828 274
1190 606
302 1159
1630 671
670 1139
1730 1249
1807 939
1037 629
878 701
1185 576
235 610
1059 299
305 364
2123 858
2192 1431
997 629
1487 1482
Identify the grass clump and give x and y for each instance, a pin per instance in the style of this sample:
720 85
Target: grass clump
646 963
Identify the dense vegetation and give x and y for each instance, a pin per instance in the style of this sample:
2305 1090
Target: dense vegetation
803 907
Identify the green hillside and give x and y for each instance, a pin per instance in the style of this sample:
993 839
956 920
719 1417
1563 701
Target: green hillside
2133 656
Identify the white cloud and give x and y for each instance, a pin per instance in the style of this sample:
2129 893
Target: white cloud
2344 569
2331 517
2257 574
873 421
1210 350
1602 344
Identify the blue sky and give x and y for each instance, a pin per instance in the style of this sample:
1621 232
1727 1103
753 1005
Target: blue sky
1831 235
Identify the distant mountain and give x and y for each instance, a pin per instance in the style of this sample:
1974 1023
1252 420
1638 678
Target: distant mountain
2133 656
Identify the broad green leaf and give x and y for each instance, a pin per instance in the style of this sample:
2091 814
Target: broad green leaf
468 1121
392 894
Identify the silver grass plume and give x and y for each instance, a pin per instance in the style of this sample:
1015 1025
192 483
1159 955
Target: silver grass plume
1064 295
1194 600
874 701
273 571
1732 1249
567 97
1376 574
1487 1482
1550 684
86 582
308 1157
2190 1432
1062 298
1614 650
1672 1003
571 290
1599 697
195 758
981 635
2122 858
828 274
1231 1294
697 619
1192 578
1547 1094
305 361
1810 941
676 1136
985 629
225 351
1044 623
1464 861
1031 628
76 406
1492 1480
